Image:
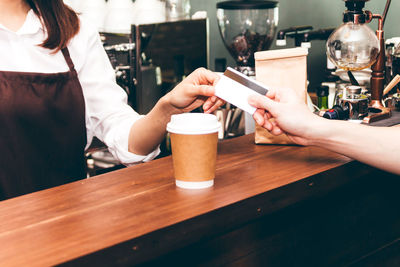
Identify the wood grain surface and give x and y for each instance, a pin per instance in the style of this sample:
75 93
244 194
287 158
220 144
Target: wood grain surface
64 223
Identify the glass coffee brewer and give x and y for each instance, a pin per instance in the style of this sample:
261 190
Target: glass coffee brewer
354 46
246 26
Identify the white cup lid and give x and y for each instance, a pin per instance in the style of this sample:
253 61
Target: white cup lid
193 123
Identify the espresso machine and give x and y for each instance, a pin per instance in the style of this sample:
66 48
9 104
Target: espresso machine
246 27
151 59
148 62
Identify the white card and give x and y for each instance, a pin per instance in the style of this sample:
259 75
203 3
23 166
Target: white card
235 88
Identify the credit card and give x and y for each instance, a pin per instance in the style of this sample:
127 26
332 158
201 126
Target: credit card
235 87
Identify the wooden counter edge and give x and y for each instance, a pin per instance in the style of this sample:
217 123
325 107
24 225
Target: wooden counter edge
200 228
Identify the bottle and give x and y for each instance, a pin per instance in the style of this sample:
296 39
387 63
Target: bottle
177 9
179 68
322 94
335 113
331 81
149 12
389 51
396 63
220 64
119 17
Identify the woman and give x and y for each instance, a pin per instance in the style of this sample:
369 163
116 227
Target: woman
57 90
376 146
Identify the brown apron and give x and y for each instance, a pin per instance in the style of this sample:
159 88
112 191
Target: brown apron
42 130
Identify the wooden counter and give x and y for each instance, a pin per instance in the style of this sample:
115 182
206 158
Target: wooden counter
270 204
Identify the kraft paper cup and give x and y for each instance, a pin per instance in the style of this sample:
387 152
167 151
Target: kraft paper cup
194 139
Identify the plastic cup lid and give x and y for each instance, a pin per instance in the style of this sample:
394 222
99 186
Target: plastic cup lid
193 123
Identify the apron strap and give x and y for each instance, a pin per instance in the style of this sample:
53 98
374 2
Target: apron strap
68 59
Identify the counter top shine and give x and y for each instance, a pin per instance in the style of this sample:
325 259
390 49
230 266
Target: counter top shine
125 213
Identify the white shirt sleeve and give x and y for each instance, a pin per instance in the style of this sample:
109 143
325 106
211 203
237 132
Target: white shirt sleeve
108 116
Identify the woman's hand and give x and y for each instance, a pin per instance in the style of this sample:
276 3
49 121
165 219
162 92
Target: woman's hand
196 90
283 111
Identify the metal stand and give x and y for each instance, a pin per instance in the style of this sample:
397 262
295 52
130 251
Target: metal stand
376 109
379 112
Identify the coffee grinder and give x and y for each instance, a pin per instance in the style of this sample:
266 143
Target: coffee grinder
246 26
354 46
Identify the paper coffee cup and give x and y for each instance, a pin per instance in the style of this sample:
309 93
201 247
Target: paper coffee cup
194 139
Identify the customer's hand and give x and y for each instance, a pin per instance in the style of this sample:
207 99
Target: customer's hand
196 90
282 111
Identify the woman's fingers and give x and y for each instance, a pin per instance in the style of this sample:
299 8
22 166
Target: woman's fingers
212 104
201 90
203 76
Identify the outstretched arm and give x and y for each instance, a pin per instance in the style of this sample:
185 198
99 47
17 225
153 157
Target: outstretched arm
376 146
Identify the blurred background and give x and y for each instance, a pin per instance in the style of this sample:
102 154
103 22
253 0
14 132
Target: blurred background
154 44
317 13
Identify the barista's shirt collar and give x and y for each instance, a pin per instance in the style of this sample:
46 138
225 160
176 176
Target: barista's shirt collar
31 25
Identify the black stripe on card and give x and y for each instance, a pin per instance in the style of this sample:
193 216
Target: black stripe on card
246 81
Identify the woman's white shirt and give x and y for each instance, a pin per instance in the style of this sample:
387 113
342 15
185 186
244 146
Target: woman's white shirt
108 116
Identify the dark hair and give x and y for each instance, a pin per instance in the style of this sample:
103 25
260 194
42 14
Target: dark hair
60 21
